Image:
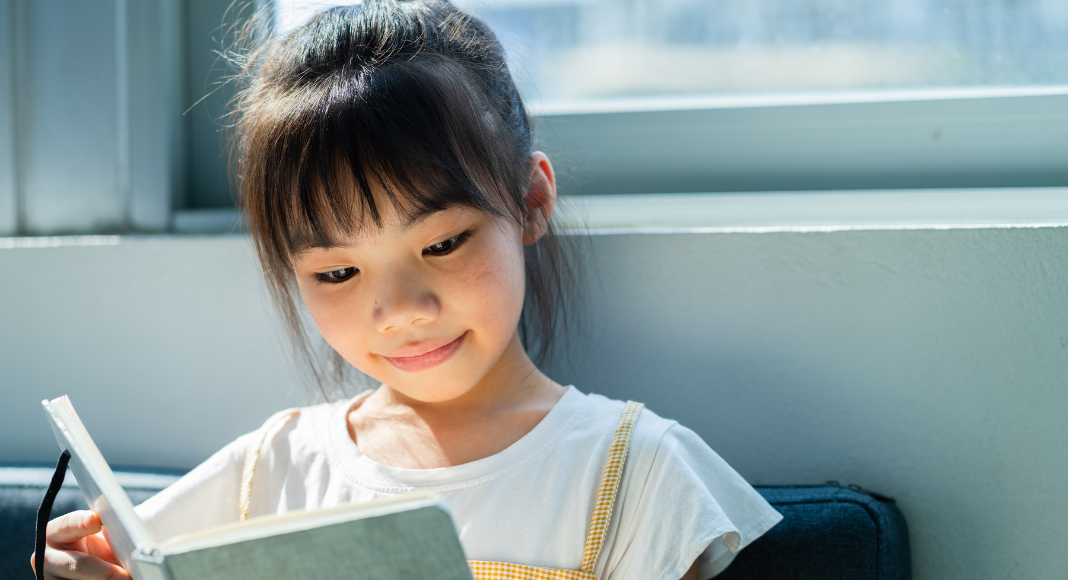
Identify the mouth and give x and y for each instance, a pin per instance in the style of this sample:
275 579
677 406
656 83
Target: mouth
429 359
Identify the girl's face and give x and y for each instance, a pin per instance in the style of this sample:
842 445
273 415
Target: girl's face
427 306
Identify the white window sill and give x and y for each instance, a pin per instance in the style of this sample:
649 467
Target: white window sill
772 211
819 210
815 211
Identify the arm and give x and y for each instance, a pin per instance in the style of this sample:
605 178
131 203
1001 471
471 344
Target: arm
691 574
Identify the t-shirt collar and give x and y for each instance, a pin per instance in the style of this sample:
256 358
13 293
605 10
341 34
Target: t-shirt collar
369 473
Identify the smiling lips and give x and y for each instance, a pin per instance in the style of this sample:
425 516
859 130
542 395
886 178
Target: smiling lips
428 359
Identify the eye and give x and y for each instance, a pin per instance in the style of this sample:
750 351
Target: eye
336 276
447 246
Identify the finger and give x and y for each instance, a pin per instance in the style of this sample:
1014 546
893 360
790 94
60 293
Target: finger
97 545
72 527
79 566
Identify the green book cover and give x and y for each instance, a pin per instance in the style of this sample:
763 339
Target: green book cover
411 537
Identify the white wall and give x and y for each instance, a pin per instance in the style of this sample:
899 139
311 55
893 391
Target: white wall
165 345
927 364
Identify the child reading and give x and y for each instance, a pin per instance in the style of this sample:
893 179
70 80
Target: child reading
387 166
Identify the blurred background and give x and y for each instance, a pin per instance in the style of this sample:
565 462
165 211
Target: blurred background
568 51
831 236
704 95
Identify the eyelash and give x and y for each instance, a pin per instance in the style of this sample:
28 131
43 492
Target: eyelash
454 242
335 276
342 274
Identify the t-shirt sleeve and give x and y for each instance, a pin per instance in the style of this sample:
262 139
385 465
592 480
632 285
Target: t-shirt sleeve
205 497
692 506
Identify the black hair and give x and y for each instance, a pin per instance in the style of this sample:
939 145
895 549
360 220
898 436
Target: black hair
412 100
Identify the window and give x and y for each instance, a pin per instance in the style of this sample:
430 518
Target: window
656 96
631 96
563 51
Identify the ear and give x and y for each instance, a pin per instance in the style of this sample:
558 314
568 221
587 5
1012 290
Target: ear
540 198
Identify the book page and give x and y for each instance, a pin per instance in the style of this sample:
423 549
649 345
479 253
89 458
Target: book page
124 529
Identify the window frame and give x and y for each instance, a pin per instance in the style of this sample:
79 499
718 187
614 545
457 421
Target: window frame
939 138
8 166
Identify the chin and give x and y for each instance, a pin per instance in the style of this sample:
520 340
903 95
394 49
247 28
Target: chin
441 392
435 385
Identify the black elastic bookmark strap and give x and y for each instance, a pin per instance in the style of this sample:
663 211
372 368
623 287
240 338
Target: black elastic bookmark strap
45 513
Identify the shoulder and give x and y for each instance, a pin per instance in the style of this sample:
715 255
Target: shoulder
292 435
596 418
297 427
310 419
603 414
680 501
657 444
208 495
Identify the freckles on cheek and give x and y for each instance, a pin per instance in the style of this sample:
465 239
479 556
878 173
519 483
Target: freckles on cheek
496 282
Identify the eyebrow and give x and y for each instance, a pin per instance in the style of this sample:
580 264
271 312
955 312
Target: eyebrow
412 221
424 214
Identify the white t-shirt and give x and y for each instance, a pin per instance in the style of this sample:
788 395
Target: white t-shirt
529 504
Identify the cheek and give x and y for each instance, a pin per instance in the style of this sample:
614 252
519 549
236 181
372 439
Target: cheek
495 282
319 307
332 312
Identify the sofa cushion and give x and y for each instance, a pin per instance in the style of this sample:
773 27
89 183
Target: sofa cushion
21 490
828 532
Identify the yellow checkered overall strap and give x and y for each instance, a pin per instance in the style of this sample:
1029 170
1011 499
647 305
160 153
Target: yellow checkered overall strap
252 457
602 516
505 571
606 495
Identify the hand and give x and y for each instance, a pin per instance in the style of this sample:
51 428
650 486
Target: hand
77 550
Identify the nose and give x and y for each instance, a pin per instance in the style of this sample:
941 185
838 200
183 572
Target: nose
403 300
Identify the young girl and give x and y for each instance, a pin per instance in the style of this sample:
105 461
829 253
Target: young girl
387 167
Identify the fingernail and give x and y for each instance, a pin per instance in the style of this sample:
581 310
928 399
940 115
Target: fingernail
86 519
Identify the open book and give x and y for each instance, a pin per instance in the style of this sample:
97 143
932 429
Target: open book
410 538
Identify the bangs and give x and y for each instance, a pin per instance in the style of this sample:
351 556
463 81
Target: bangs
334 151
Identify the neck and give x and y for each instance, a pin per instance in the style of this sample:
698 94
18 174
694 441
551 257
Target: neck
505 405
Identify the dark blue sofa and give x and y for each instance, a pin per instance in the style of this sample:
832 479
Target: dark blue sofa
828 532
